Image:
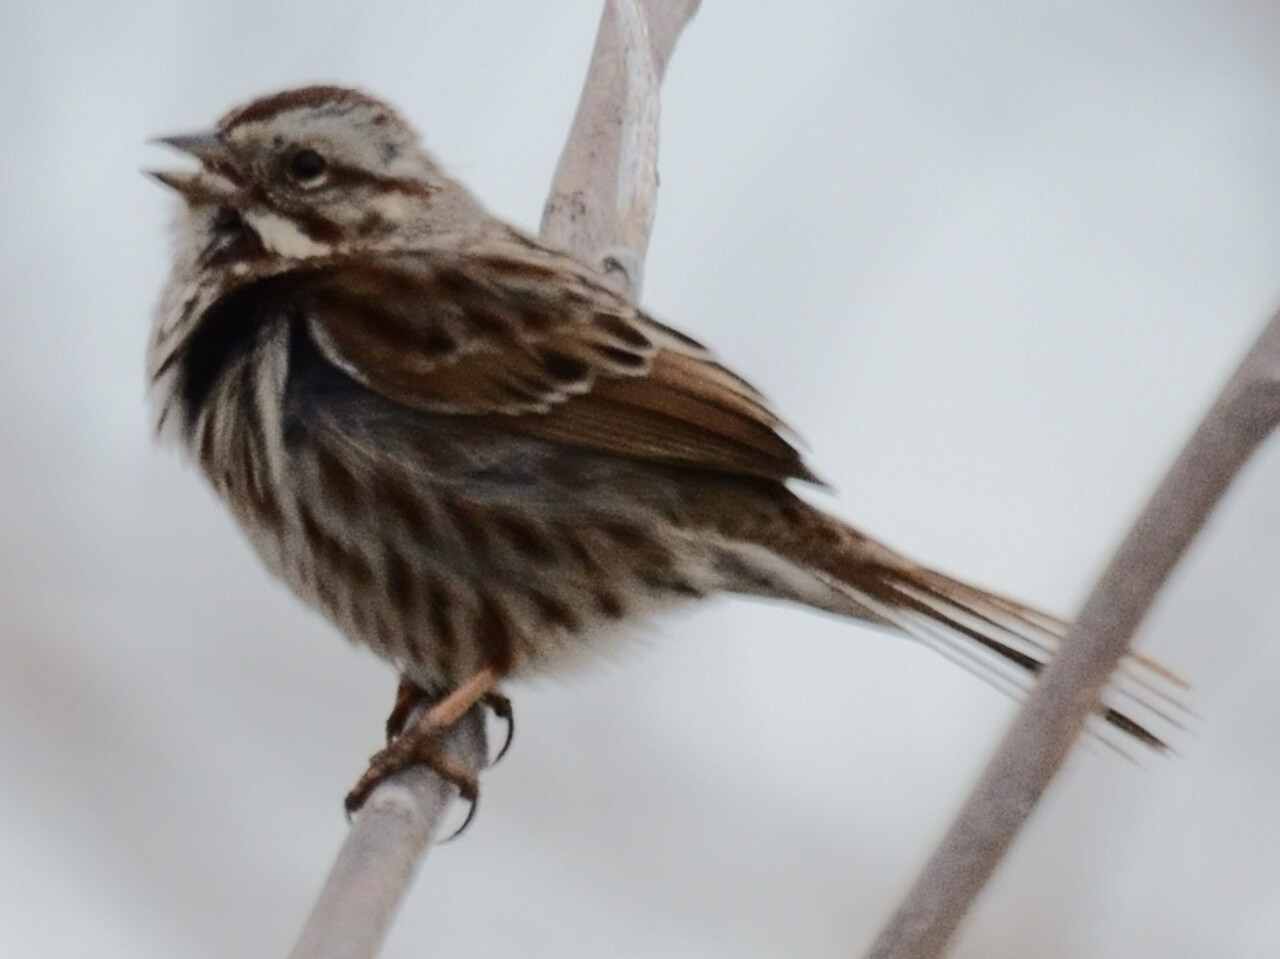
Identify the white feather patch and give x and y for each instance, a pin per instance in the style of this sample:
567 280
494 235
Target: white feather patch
282 236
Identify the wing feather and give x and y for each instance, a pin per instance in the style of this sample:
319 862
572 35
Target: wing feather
521 332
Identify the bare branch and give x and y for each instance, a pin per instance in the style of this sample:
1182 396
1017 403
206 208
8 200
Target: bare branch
603 195
1245 413
601 208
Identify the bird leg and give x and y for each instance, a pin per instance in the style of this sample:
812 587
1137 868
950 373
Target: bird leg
409 696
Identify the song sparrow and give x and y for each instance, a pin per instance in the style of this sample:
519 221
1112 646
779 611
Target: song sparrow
473 455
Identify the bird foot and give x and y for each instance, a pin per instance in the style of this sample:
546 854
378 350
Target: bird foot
418 742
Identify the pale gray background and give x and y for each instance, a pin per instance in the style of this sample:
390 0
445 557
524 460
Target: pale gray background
992 258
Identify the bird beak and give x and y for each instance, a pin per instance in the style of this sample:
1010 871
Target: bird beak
196 187
208 147
215 158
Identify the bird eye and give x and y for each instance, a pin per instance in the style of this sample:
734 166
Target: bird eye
307 166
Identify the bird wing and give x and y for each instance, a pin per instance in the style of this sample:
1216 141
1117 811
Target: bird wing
511 329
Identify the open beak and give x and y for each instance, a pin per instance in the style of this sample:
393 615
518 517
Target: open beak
216 181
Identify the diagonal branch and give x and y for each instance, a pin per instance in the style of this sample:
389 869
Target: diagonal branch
601 209
1245 413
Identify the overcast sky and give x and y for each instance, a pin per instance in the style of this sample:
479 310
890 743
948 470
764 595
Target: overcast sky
992 259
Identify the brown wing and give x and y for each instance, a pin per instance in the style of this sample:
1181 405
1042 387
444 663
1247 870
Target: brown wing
513 330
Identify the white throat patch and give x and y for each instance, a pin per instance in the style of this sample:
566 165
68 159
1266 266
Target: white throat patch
283 237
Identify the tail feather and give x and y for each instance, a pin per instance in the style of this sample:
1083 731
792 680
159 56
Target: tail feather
1003 642
1143 700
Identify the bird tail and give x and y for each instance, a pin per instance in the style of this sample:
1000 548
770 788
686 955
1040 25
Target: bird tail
833 567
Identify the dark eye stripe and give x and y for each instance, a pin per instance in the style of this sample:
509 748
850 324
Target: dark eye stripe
351 176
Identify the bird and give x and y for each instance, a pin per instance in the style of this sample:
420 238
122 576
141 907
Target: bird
476 456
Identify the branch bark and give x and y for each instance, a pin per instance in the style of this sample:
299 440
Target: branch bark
1245 413
600 209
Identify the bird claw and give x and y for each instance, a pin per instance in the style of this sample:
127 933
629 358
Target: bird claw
500 706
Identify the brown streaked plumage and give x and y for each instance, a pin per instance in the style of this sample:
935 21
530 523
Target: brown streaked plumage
476 457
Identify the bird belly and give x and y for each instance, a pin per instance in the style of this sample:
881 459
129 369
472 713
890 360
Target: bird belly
441 585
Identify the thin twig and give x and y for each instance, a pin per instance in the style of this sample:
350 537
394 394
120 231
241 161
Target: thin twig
600 209
1245 413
